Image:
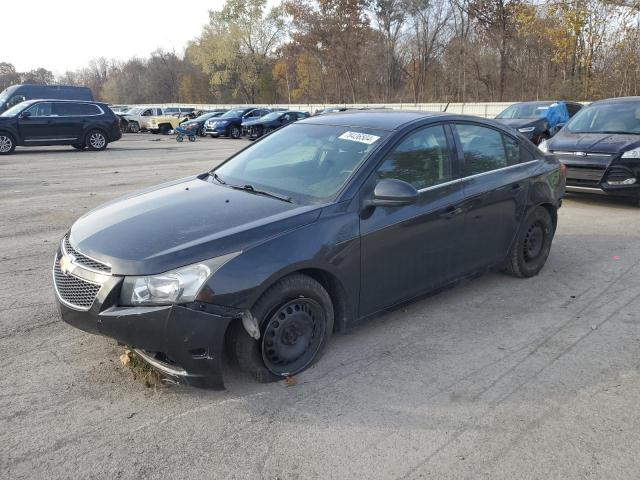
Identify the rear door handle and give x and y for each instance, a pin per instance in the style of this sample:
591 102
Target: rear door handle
451 212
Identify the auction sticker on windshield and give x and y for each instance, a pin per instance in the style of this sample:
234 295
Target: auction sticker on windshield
359 137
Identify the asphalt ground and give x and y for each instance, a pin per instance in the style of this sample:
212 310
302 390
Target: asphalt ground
499 378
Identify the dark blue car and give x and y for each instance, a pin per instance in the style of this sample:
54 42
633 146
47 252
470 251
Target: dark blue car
230 123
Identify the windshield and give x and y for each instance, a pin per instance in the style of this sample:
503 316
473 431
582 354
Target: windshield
202 118
271 116
619 117
134 111
525 110
6 93
309 163
236 112
13 111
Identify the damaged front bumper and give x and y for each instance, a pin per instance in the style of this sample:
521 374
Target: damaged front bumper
184 342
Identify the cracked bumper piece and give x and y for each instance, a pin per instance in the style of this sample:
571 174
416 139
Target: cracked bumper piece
184 343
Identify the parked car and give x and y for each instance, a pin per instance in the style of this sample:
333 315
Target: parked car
19 93
179 111
135 119
601 148
163 124
34 123
198 122
230 123
538 121
257 127
325 222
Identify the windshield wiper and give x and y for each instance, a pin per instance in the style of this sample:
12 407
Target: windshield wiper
251 189
217 178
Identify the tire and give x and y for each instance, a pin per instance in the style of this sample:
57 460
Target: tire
235 132
202 132
133 127
532 246
165 129
79 146
296 321
96 140
7 144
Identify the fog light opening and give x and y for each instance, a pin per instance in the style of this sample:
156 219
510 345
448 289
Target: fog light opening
626 181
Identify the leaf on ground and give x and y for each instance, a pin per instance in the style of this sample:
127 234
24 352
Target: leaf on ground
290 381
125 358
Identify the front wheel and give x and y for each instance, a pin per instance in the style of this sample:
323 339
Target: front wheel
133 127
96 140
295 316
7 144
202 132
532 247
234 132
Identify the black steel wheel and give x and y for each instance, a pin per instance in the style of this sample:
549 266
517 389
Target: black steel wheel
295 316
532 246
293 336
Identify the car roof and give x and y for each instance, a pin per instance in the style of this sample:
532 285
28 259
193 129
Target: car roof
617 100
58 100
377 119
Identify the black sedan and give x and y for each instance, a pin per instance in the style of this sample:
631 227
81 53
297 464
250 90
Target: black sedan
601 148
538 121
306 232
198 123
255 128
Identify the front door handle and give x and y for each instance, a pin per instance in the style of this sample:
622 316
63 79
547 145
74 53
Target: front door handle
451 212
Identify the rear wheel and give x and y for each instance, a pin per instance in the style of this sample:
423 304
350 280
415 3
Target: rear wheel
165 129
96 140
532 247
234 131
295 316
7 144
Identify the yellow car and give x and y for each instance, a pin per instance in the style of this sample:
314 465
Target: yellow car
162 124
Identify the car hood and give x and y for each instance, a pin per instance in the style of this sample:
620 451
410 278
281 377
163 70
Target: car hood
521 122
228 119
593 142
180 223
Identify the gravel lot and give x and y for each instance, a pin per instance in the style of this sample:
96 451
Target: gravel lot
499 378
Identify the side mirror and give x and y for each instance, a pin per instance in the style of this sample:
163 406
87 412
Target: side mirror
390 192
559 126
25 115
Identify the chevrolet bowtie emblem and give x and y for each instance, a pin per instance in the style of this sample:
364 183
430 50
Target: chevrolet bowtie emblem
65 265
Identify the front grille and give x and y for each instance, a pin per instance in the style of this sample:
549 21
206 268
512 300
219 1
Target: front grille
584 176
74 291
83 260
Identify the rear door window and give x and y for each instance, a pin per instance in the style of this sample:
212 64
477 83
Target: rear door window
76 109
483 149
421 159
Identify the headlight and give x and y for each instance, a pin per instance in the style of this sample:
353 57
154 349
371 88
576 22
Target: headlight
181 285
526 129
544 146
635 153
